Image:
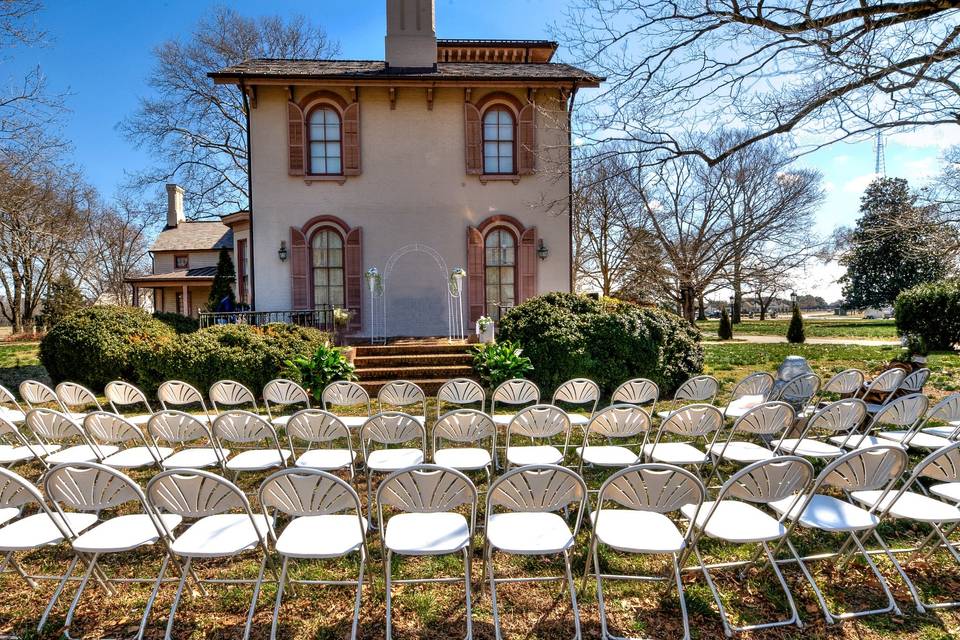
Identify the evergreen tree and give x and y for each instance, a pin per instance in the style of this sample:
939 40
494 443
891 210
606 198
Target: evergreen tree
222 282
894 246
725 331
795 332
63 297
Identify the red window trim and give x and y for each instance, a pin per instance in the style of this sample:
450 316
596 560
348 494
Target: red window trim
323 103
186 258
499 106
505 226
327 226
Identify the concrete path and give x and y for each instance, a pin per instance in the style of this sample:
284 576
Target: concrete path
863 342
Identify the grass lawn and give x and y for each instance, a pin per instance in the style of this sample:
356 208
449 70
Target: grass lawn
529 610
828 327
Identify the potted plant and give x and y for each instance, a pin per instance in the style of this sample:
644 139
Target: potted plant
485 329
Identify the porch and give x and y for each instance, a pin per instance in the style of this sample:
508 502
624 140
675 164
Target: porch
184 292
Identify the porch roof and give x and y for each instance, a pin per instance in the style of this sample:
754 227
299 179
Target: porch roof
199 275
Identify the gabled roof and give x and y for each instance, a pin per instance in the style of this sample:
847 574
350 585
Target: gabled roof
194 236
198 274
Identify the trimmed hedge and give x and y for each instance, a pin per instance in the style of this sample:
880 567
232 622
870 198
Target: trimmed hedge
930 311
178 322
567 335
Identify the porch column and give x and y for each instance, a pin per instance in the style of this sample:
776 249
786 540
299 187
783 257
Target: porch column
136 296
186 302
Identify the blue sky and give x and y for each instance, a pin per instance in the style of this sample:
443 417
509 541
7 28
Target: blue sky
101 53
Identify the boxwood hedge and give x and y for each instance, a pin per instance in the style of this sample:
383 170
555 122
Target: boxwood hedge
930 311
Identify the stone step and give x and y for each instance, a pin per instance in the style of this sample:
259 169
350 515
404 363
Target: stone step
369 351
417 360
414 373
430 386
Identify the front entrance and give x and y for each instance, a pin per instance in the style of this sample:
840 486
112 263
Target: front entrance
416 293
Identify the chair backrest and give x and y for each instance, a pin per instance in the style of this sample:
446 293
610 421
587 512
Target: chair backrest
755 384
768 418
461 391
10 432
904 411
392 427
698 389
231 394
53 425
426 488
110 428
693 421
344 393
170 425
870 468
578 391
18 492
308 492
661 488
515 391
942 465
179 394
618 421
284 392
886 382
316 426
947 410
401 393
844 415
244 427
848 381
539 421
638 391
7 397
913 383
36 393
799 390
123 394
72 395
538 488
193 493
87 486
769 480
463 426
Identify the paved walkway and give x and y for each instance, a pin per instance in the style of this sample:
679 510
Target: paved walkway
863 342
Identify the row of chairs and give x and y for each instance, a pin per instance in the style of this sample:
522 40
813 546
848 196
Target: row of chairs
536 510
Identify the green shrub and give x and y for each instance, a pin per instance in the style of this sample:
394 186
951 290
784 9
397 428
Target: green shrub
177 321
930 311
567 335
315 371
98 344
725 330
795 332
498 362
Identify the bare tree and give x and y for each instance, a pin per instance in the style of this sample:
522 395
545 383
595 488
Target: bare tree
197 129
835 68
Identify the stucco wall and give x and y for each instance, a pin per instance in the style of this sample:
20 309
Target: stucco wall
413 189
163 261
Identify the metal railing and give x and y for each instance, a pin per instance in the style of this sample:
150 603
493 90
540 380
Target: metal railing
318 318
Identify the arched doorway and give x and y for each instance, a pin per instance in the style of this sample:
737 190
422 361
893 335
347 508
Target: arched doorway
416 293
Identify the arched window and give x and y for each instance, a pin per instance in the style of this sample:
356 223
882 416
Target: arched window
325 135
499 135
499 270
327 261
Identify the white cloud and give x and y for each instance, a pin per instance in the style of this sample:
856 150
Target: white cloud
829 187
940 136
860 183
841 160
920 170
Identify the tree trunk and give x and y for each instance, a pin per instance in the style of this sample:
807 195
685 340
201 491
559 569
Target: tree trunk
688 302
701 309
737 292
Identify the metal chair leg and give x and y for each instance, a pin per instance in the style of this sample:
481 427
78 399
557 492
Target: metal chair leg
356 606
256 595
467 557
57 592
493 593
185 571
683 599
573 595
152 598
387 574
77 595
276 606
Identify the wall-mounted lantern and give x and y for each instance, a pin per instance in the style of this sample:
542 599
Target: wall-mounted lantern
282 253
542 251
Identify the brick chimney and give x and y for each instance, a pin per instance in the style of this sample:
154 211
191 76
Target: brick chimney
175 205
411 41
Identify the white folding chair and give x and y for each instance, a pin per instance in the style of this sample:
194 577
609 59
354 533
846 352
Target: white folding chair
946 411
749 392
885 385
231 394
636 523
137 451
52 426
246 428
91 488
10 409
76 399
638 391
522 519
179 395
864 469
767 420
580 392
842 416
461 427
390 429
344 393
846 384
222 525
694 423
735 517
124 394
916 436
321 431
400 394
914 382
514 393
283 394
617 423
36 395
540 422
15 448
179 428
320 528
901 413
699 389
461 392
425 522
799 392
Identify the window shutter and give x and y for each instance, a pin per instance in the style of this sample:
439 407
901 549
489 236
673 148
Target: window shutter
353 274
475 276
528 264
473 138
527 139
299 268
351 139
295 135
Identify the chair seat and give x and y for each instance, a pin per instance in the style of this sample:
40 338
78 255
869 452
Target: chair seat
123 533
503 419
873 407
393 459
808 447
735 521
258 459
426 533
918 440
223 534
80 453
675 453
944 431
198 458
741 405
910 506
578 419
827 514
280 421
608 455
326 459
618 528
11 455
140 419
529 533
326 536
353 422
8 513
948 490
739 451
536 454
135 457
463 458
12 415
861 441
39 530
